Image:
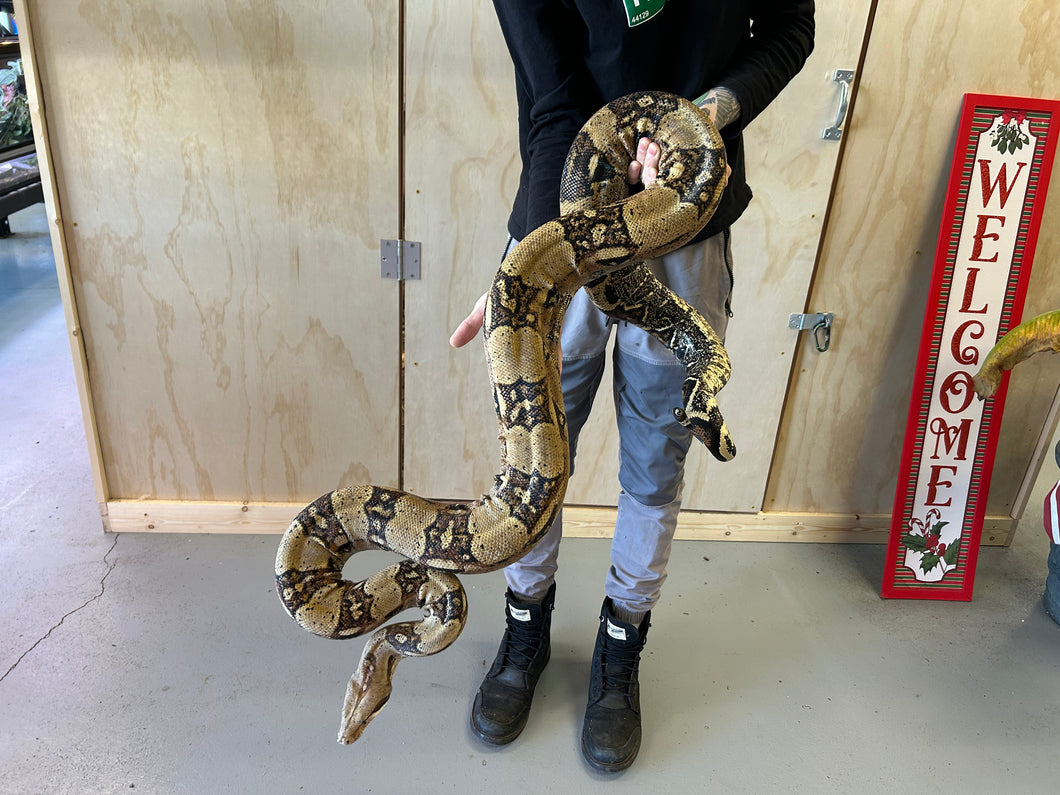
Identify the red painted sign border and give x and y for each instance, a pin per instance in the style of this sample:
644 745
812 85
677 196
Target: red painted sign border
913 537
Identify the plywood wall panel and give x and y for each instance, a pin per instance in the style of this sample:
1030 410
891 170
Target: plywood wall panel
844 422
463 166
462 173
225 173
790 168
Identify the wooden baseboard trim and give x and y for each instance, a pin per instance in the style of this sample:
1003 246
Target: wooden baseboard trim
157 516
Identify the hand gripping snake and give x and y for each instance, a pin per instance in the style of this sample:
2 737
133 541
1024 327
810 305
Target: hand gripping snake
599 242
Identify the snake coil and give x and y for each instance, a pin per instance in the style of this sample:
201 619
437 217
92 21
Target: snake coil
599 242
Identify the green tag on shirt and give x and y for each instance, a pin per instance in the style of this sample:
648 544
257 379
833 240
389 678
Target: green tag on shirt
638 11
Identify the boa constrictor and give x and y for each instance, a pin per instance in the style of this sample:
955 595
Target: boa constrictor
599 242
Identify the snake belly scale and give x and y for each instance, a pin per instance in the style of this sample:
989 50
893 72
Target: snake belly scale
599 242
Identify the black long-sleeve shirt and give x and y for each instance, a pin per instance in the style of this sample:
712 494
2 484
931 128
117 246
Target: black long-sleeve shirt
574 56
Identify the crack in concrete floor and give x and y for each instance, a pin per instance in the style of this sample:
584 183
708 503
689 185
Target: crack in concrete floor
102 588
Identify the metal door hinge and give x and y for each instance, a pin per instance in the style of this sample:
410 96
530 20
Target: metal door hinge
399 259
820 322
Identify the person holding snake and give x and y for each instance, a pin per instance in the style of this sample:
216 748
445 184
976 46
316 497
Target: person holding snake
570 58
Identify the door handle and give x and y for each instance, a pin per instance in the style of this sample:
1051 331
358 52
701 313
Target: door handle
845 77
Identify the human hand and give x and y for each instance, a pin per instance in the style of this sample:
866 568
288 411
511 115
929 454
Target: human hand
645 168
470 326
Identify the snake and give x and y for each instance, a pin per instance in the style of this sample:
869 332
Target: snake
605 232
1037 335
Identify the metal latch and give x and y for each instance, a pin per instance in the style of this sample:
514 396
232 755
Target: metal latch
820 322
399 259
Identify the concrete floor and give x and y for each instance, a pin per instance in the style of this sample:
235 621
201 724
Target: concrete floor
165 664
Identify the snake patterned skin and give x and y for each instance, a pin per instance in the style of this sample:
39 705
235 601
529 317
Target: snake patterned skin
1037 335
599 242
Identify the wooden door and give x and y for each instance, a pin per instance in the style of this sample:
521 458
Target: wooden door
790 168
845 421
463 168
219 176
225 171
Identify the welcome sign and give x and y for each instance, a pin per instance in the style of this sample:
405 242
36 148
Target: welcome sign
990 223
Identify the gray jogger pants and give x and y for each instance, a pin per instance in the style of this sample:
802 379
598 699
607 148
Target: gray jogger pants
652 445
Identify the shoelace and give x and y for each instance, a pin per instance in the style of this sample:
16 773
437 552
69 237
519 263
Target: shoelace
521 642
619 666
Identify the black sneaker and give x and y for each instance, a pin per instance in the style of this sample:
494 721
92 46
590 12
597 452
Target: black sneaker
502 704
611 730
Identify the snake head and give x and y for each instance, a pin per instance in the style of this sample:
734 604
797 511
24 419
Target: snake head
369 688
702 416
361 705
988 380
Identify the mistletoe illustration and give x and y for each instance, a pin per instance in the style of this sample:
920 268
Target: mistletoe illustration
924 537
1008 137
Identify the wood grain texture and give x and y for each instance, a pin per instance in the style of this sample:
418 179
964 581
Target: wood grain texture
844 423
462 155
580 521
790 169
226 171
60 253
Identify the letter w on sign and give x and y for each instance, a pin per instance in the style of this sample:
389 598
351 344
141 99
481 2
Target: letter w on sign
990 222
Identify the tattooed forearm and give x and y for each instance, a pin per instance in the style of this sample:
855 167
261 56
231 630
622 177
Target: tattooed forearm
722 105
